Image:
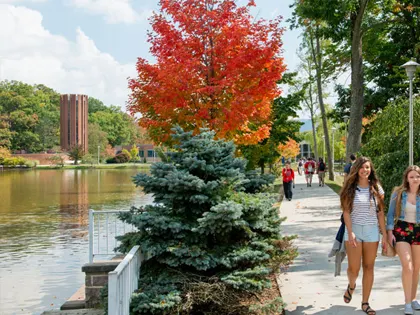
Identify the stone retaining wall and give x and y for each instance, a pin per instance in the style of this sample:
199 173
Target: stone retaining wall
96 278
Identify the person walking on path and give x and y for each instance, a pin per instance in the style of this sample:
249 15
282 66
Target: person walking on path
309 171
362 203
403 226
321 172
300 166
348 166
288 180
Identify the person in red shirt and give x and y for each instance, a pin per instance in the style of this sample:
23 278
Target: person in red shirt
288 180
309 171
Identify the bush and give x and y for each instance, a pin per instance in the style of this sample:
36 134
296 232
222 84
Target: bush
210 244
14 161
257 183
56 160
31 163
134 153
123 157
386 143
20 161
111 160
76 153
89 159
4 153
10 162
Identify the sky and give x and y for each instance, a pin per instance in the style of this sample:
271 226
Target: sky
91 46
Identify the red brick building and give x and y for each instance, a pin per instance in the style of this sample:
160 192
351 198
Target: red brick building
73 121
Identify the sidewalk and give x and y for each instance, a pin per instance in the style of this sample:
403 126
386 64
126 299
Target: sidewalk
309 285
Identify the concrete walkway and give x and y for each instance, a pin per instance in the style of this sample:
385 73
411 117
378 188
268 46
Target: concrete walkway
309 285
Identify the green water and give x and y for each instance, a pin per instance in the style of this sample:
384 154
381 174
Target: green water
43 231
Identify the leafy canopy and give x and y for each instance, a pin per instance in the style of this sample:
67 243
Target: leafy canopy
216 67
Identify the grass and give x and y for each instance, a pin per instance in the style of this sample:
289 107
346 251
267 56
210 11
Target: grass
277 188
336 184
96 166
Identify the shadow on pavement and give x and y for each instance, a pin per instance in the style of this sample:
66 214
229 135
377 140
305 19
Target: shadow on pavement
344 310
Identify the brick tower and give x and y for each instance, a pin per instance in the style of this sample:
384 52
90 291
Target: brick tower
73 121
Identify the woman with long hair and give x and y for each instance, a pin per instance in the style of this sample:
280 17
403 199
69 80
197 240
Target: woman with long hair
363 209
403 226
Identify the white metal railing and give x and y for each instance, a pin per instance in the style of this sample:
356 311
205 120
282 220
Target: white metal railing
123 281
104 227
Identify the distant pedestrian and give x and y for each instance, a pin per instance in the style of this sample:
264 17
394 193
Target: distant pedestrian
363 209
347 167
321 172
300 166
403 225
309 171
288 181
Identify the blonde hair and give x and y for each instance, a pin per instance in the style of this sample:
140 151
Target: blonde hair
405 186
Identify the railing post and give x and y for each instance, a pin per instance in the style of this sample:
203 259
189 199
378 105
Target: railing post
113 293
91 222
122 282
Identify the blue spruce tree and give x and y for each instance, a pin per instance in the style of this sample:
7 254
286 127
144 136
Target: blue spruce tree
211 237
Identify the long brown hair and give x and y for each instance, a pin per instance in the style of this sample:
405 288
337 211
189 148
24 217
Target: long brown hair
348 191
405 186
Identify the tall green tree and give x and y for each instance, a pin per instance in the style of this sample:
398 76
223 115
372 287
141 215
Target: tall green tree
120 127
387 143
6 135
33 115
95 105
315 42
307 84
96 138
346 22
391 46
284 126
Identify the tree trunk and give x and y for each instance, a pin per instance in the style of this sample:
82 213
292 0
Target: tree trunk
314 135
311 107
357 93
262 166
318 62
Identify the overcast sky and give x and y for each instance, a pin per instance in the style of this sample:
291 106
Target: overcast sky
91 46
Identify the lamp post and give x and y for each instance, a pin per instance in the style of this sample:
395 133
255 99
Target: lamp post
98 153
346 119
323 148
333 129
410 69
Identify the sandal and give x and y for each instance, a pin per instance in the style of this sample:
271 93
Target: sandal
368 310
348 297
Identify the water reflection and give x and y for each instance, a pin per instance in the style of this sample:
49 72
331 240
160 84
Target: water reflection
43 231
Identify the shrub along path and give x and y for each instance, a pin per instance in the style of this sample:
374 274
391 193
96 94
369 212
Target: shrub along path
309 285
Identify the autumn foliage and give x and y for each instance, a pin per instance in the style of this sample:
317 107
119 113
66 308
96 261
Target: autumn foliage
290 149
216 67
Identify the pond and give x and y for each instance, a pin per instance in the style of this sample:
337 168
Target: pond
43 231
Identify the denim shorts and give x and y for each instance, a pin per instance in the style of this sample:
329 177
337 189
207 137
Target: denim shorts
364 233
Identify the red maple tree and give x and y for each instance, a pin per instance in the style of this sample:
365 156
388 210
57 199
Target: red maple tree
216 67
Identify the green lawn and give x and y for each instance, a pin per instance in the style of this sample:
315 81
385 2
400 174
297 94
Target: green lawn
336 184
